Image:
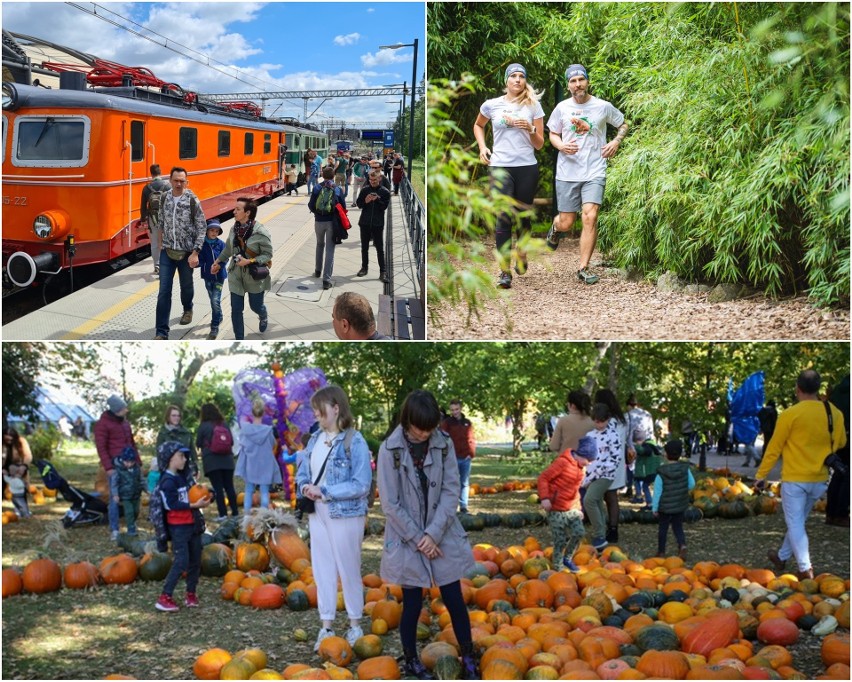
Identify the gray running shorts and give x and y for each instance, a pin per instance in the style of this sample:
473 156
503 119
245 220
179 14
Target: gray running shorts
570 196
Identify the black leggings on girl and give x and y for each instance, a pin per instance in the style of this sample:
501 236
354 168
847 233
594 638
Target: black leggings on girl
412 603
520 183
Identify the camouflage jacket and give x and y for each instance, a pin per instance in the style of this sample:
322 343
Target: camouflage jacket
179 230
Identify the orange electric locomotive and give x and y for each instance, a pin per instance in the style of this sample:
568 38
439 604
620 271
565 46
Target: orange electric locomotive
75 161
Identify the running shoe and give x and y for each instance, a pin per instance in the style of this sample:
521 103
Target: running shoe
521 264
587 277
505 281
599 543
166 603
570 565
191 600
553 237
263 324
354 634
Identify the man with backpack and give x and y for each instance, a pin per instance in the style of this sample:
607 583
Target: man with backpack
149 211
184 230
324 197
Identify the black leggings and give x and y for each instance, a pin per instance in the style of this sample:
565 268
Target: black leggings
676 521
412 604
520 183
222 481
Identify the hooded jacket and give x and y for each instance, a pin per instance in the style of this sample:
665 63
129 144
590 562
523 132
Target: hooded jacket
560 483
112 434
409 516
257 460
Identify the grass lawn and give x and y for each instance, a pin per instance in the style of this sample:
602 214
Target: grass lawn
74 634
418 178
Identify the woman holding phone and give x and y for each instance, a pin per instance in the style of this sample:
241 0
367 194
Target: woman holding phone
517 122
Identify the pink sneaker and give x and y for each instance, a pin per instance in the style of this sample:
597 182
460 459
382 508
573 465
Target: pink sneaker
166 603
191 600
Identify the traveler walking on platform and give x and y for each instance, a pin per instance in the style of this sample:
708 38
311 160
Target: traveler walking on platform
373 200
359 174
250 244
314 170
398 170
184 227
149 211
341 164
213 282
322 204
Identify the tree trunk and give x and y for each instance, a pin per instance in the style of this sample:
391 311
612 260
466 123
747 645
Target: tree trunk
591 377
185 377
517 426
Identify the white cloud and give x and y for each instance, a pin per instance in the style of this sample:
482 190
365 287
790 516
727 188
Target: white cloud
348 39
385 57
370 10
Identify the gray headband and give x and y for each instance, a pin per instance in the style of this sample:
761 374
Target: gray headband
514 68
576 70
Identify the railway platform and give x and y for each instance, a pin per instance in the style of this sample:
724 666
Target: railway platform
122 306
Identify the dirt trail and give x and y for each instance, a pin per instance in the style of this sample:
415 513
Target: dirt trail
549 302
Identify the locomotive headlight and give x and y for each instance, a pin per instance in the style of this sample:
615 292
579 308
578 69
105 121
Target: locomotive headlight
51 225
10 97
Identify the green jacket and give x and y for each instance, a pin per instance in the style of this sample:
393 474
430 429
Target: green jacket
240 281
648 459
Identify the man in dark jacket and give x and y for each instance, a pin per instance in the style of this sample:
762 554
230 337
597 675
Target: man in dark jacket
149 211
373 200
112 435
460 430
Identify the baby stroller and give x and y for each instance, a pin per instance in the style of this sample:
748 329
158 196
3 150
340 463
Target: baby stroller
85 509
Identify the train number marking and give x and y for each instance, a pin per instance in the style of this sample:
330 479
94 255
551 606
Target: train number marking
14 201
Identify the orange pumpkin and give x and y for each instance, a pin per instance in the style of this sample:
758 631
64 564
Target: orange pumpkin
388 610
778 631
668 664
269 596
42 575
720 629
199 492
835 648
533 593
120 569
378 668
209 664
80 575
286 546
13 583
336 650
252 556
494 589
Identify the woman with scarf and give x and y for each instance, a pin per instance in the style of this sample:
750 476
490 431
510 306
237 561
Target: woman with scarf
251 246
424 543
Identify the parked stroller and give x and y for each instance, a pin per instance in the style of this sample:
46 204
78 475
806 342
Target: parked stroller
85 509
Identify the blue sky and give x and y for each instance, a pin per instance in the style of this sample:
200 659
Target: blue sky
276 45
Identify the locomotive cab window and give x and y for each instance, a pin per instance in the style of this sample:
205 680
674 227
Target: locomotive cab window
224 143
51 141
267 143
248 146
137 141
188 143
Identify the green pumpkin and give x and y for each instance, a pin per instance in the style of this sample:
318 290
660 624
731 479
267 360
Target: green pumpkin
657 637
638 602
447 668
513 520
478 569
215 560
491 520
626 515
297 600
424 632
156 567
807 621
692 514
630 659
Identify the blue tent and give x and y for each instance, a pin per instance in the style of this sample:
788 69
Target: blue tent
745 403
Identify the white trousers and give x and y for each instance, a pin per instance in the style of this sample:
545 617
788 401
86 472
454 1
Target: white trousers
336 553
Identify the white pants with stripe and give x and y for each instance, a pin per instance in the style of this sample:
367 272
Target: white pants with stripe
336 552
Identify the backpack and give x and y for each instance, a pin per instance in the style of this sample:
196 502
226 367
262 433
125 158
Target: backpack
157 188
221 441
325 201
157 517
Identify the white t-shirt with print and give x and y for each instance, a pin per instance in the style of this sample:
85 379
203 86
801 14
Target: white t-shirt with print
589 132
512 146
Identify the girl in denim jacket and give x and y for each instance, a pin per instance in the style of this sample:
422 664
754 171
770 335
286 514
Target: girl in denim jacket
335 473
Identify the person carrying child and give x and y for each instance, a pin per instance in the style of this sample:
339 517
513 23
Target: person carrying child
559 490
126 486
648 460
672 484
210 250
177 519
15 478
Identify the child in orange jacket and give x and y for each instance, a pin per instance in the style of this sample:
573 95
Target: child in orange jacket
559 492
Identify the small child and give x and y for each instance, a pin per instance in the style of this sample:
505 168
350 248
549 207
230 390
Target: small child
153 475
559 490
126 486
18 487
671 497
184 525
210 251
292 177
648 460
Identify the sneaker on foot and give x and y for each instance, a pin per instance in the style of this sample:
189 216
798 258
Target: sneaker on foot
682 552
570 565
776 560
191 600
166 603
361 273
553 237
156 269
323 634
114 536
354 634
505 280
470 670
413 667
317 273
186 318
383 277
159 337
220 519
599 543
263 324
213 334
587 277
326 285
521 264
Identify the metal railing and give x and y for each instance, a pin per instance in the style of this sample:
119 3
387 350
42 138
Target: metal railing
414 215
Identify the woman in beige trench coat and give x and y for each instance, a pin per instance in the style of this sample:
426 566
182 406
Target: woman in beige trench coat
424 543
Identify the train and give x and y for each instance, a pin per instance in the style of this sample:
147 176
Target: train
76 159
